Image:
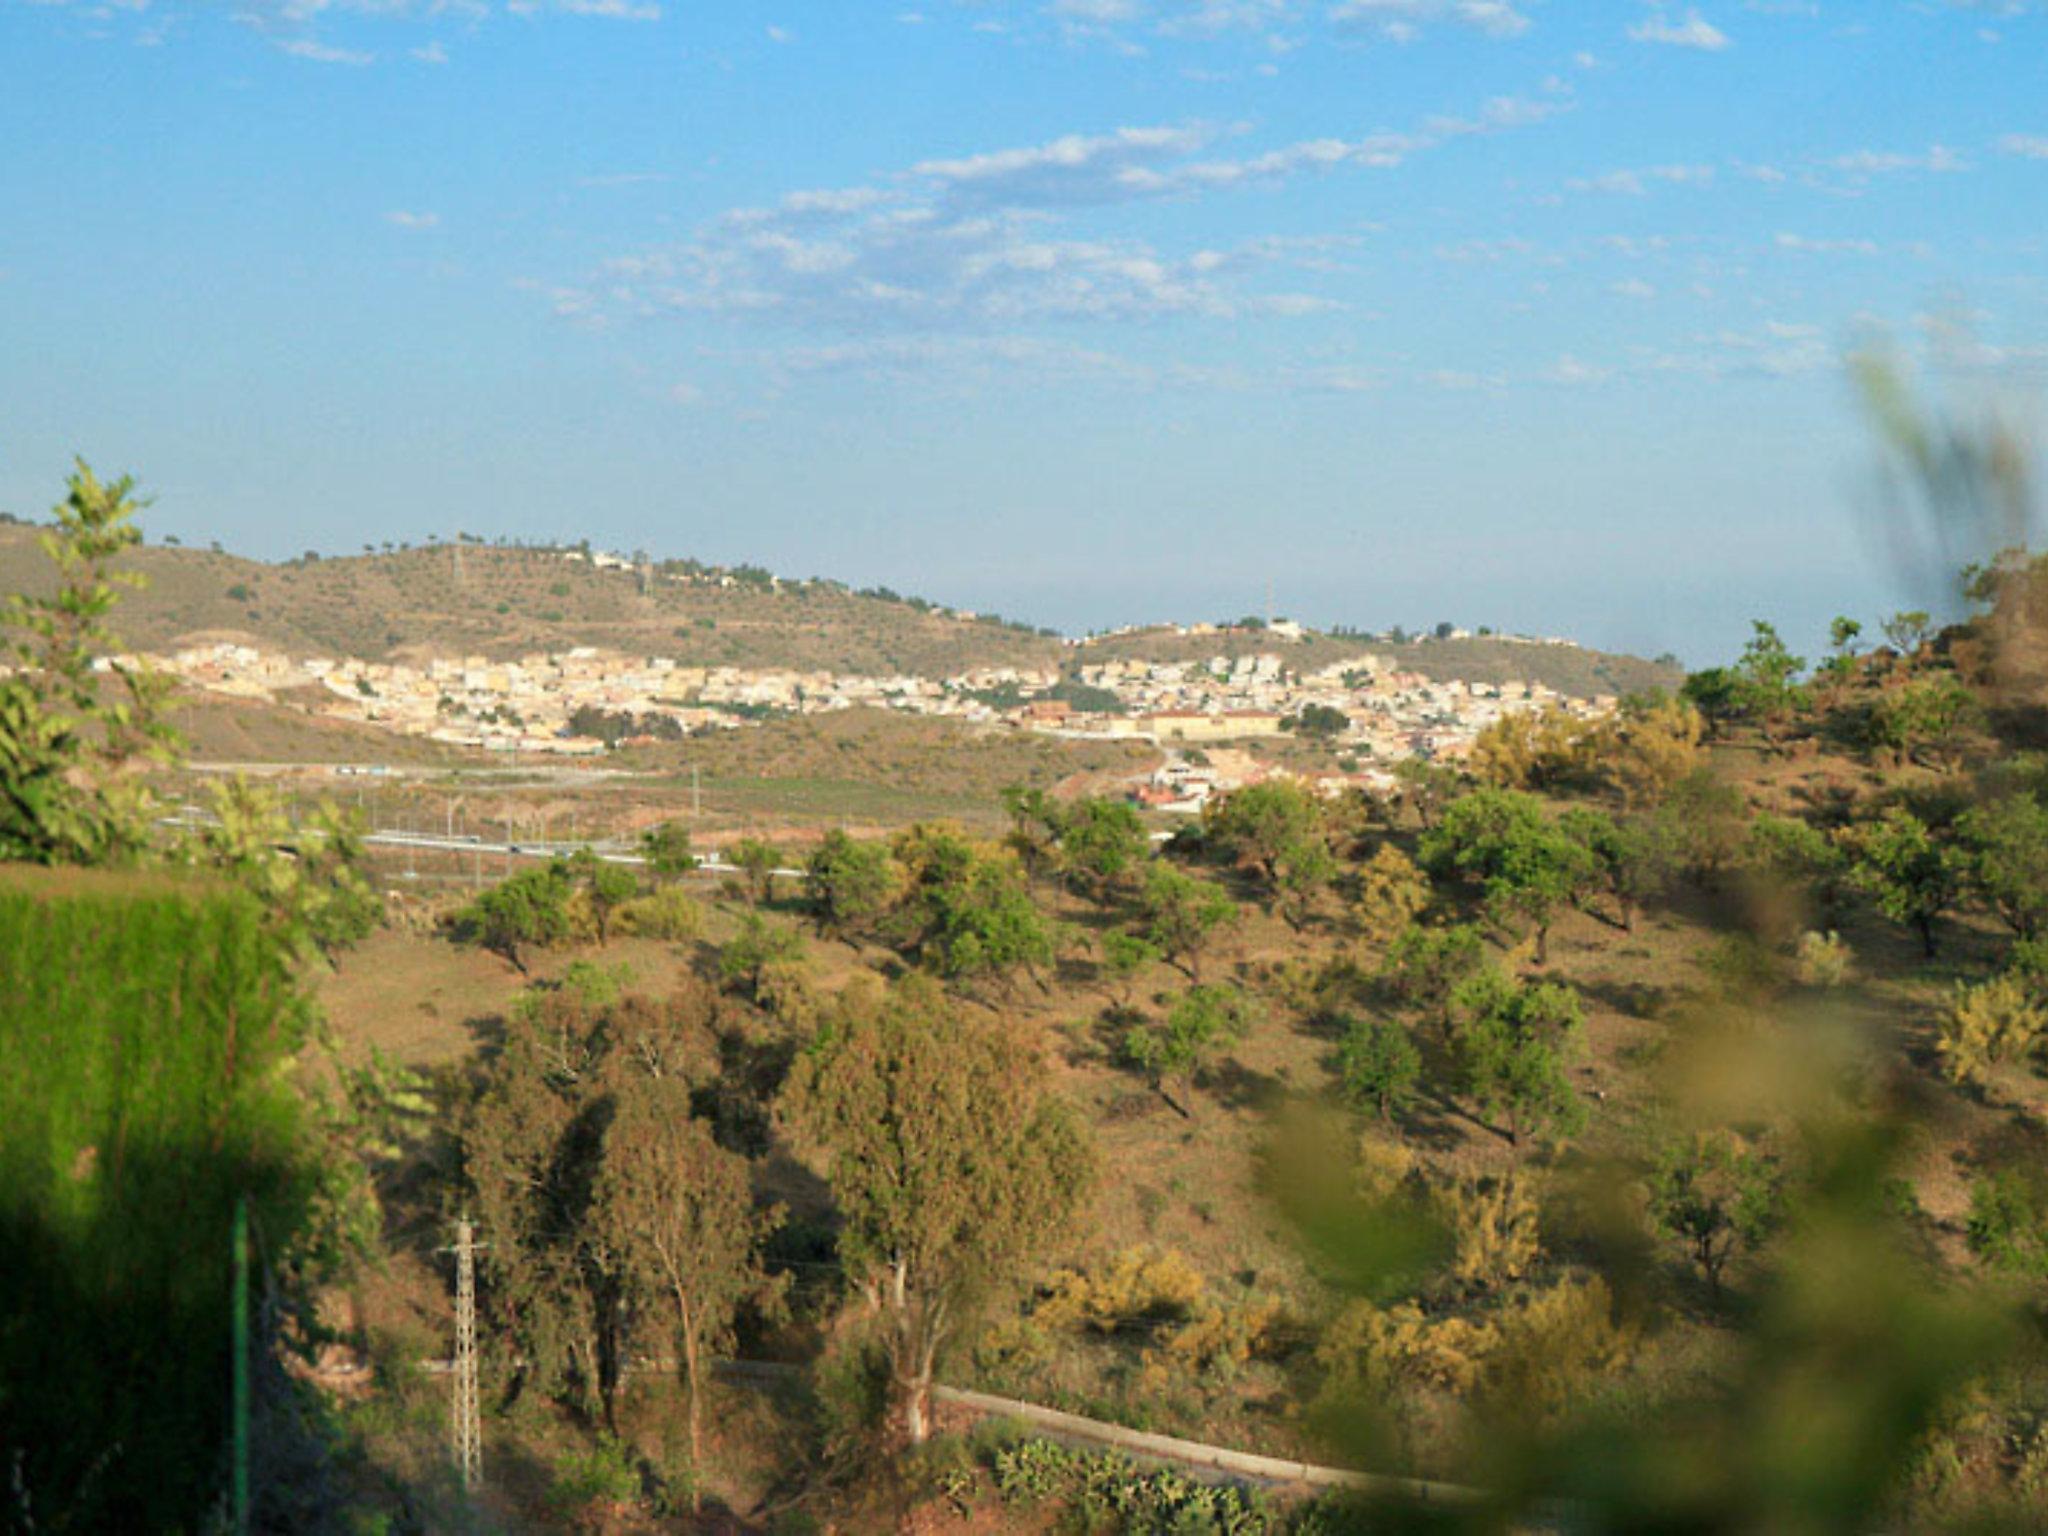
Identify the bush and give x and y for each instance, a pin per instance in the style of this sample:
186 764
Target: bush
666 914
1987 1023
1822 960
1378 1064
159 1017
604 1474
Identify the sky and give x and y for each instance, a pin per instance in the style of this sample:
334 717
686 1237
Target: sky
1530 313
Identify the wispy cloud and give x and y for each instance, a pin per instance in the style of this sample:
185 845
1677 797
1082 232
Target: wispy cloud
1690 30
1637 183
322 53
1404 20
2028 146
408 219
1939 159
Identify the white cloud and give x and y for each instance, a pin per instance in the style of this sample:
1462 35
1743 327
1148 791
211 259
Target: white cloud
1692 30
323 53
685 393
407 219
431 53
1402 20
1938 160
1815 246
1636 183
781 35
2028 146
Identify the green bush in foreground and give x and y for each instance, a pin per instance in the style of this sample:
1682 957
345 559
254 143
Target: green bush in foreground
146 1024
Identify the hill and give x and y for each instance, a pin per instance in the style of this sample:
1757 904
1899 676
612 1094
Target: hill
503 601
1569 669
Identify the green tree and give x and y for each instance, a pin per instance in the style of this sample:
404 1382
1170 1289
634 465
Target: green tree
757 861
667 850
675 1212
1913 876
1514 1042
1320 722
1922 719
1528 867
1263 825
1175 1050
605 885
1378 1065
851 885
1794 855
1124 958
530 908
952 1164
1424 965
1425 788
746 960
1714 1195
310 879
1036 824
1103 843
1181 914
968 913
1630 862
2005 845
68 741
1306 870
1767 675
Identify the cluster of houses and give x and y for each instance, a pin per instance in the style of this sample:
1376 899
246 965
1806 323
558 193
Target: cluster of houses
1375 713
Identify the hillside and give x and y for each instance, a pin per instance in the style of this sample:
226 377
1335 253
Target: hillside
1569 669
510 602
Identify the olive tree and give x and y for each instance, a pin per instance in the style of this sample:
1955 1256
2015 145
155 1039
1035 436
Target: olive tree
952 1163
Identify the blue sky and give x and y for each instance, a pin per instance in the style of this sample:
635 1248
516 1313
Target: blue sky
1523 312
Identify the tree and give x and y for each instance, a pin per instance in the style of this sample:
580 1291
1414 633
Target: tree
1175 1050
968 913
1796 855
1767 674
1377 1065
1262 825
1531 749
605 885
757 861
1102 842
1180 913
1392 892
1714 1195
1702 821
1320 722
1036 822
758 948
850 885
1907 631
67 742
1629 860
1913 876
536 1145
1921 718
1651 744
310 879
1426 788
1514 1041
952 1165
1306 870
677 1210
666 848
529 908
1124 958
1527 866
1424 965
2004 843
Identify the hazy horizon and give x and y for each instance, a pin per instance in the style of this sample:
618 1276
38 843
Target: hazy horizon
1088 312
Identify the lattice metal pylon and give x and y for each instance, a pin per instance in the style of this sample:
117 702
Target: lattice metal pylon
468 1439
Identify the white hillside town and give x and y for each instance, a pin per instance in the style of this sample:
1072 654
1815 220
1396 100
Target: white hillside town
582 702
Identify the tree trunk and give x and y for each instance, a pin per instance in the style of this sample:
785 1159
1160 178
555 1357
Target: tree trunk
695 1405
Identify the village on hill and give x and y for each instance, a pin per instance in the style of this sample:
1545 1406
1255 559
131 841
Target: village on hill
584 701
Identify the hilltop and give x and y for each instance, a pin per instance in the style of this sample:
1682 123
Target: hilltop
504 601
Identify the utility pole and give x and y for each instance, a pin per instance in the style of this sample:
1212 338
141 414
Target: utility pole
468 1440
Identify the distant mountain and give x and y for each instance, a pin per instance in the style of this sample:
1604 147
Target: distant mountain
502 601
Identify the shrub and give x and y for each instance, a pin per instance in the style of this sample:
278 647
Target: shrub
1822 960
666 914
1138 1284
1493 1226
1987 1023
1378 1065
603 1474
